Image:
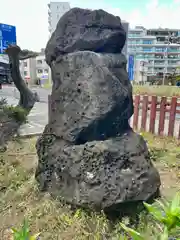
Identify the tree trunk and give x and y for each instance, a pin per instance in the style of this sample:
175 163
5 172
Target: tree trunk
27 97
9 125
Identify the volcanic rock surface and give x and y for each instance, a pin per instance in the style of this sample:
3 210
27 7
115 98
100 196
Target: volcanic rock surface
88 154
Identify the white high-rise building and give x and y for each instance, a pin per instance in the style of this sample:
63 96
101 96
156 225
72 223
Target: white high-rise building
55 12
159 48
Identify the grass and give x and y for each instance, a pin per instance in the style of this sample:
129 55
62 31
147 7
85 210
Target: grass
20 198
167 91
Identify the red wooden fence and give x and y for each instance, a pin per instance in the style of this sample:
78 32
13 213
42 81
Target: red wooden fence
157 115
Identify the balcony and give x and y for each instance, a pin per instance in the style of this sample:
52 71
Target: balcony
173 65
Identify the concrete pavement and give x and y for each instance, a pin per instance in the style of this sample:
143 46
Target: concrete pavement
10 91
38 117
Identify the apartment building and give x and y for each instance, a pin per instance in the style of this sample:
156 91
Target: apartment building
28 70
160 48
43 71
36 69
161 34
55 11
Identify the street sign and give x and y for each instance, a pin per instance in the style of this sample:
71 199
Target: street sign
7 36
44 76
131 67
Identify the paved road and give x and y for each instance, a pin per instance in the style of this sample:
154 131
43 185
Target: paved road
10 91
38 117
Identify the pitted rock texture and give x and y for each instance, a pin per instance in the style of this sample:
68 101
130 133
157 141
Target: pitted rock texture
92 97
99 174
88 154
83 29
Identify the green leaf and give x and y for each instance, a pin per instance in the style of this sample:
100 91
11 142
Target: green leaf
34 237
164 205
164 235
25 229
154 211
175 204
135 235
14 230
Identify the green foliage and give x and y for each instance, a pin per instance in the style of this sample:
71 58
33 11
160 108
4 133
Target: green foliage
24 233
167 217
17 112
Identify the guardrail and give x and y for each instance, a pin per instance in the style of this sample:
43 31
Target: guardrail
158 115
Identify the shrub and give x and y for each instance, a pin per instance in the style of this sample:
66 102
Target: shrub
17 112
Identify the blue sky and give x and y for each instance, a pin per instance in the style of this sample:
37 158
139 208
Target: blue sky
31 16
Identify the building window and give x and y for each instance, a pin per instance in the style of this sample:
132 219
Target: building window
147 49
147 42
160 49
25 64
46 71
39 61
40 71
25 73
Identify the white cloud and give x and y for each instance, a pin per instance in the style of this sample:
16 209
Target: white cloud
31 17
155 15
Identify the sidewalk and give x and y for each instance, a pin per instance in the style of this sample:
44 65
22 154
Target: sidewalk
37 119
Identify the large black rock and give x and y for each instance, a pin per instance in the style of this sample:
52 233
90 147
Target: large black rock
82 29
91 98
88 154
98 174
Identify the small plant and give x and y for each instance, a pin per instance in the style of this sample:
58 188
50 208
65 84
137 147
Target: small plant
167 216
18 113
24 233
